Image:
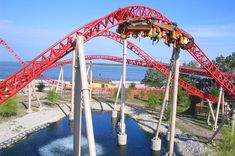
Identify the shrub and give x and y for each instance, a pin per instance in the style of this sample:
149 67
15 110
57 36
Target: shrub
114 94
41 86
132 85
129 94
226 147
142 95
183 101
167 112
153 78
153 101
52 96
9 107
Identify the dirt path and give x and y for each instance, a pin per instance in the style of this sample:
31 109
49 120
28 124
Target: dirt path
192 127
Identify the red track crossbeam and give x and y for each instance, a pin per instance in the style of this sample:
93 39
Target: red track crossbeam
31 70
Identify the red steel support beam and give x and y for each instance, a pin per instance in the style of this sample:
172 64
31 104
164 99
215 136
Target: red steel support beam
31 70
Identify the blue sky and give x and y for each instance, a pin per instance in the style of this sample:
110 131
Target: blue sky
32 26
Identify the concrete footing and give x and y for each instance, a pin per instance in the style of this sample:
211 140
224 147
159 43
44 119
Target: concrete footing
156 144
215 128
114 114
122 139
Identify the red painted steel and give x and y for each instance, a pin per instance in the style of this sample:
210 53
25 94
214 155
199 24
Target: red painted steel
134 62
139 62
31 70
21 61
188 87
18 58
214 71
147 58
183 69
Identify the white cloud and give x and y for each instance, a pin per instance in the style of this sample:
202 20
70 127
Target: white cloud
5 23
33 35
211 31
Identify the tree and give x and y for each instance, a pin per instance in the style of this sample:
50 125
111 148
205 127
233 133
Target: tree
230 62
225 64
183 99
41 86
221 63
9 107
52 96
153 78
153 101
192 64
132 85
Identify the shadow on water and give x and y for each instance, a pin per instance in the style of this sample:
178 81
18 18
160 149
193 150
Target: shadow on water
57 139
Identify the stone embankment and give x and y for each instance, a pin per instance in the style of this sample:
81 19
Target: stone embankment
187 144
21 135
14 130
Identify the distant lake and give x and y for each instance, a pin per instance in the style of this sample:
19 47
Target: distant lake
113 72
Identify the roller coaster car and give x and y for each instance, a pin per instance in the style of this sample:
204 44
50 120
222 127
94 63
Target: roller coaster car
132 25
156 31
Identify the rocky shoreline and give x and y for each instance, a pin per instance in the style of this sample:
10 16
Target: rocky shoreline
15 130
9 142
186 144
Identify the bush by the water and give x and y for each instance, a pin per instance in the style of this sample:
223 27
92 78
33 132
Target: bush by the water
153 101
9 107
132 85
52 96
183 100
114 94
128 94
167 112
41 86
227 145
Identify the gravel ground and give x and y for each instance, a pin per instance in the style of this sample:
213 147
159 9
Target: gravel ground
11 128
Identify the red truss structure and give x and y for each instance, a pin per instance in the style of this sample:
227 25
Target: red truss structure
31 70
139 62
116 37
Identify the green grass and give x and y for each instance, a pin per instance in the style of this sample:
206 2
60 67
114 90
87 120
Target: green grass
21 111
137 101
10 107
181 127
227 145
52 96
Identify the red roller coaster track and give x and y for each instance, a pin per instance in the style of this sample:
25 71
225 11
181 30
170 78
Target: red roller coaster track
18 58
31 70
21 61
183 69
188 87
139 62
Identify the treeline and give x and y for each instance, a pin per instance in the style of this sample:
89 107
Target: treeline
153 78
